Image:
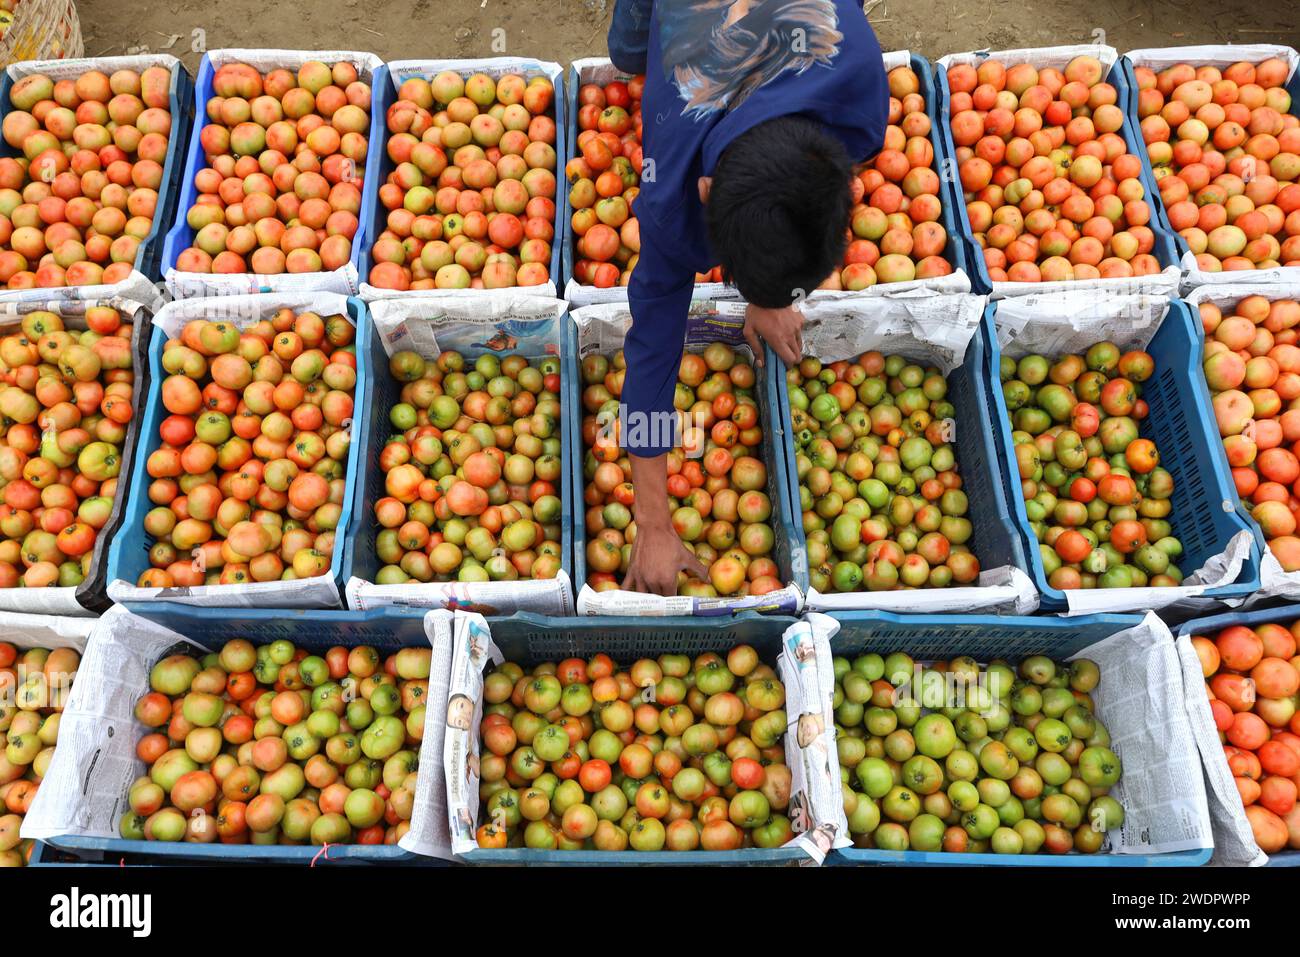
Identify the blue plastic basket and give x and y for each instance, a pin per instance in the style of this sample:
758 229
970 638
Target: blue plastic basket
788 552
1214 623
128 555
359 550
992 540
1164 250
181 106
530 639
181 235
92 593
984 637
1129 101
374 211
387 629
1205 513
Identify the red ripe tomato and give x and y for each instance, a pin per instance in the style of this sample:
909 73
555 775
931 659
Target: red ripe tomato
747 774
1072 546
594 776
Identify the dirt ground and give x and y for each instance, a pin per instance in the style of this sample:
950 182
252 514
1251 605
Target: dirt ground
563 30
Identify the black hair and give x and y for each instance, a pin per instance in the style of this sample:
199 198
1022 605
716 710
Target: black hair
778 209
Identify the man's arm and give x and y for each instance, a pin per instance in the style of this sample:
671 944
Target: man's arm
659 295
629 34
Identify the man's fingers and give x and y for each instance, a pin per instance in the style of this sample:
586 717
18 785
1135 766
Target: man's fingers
631 581
786 349
693 566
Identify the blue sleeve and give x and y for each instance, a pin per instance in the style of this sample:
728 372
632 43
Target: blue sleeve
660 296
629 34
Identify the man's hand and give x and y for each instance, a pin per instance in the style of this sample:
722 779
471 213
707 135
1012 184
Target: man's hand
657 556
657 553
782 329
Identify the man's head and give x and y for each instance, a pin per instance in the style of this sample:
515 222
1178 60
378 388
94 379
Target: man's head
777 207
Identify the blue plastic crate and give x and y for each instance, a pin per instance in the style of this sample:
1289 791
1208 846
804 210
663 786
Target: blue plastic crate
374 211
128 554
1208 626
788 551
984 637
92 593
359 551
992 540
1129 101
530 639
387 629
1206 513
181 236
1164 250
181 107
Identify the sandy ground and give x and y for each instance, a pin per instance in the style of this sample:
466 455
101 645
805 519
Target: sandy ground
563 30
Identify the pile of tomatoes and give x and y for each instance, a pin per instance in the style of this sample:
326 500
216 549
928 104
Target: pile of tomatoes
879 485
285 154
961 757
1052 191
270 744
669 754
82 189
895 231
472 471
248 482
471 200
1094 492
65 408
1252 676
34 686
1226 152
604 178
716 478
1252 366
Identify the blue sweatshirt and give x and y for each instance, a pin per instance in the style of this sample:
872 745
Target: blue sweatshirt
715 69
